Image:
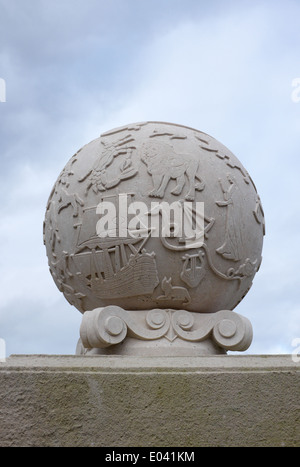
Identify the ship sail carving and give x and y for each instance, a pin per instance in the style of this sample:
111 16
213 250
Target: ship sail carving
118 267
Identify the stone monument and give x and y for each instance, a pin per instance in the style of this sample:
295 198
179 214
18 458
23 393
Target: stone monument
154 232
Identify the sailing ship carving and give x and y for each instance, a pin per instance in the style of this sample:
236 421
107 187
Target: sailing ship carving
116 267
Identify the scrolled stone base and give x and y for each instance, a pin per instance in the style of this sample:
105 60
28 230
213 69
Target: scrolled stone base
156 348
166 332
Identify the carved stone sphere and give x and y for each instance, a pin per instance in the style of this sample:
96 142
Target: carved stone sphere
154 215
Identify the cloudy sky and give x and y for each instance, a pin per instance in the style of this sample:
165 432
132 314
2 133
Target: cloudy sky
76 68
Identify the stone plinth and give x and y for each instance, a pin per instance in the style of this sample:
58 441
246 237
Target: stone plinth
150 401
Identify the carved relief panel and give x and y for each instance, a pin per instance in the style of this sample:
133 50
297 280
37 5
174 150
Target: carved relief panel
115 225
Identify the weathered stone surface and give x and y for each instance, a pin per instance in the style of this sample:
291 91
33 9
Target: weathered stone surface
150 401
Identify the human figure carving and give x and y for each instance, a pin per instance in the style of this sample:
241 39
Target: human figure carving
232 244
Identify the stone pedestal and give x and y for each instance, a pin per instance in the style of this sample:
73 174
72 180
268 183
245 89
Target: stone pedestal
165 333
131 401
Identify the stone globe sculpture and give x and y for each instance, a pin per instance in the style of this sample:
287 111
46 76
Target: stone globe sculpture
154 232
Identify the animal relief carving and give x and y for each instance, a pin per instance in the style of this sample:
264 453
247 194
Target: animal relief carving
164 164
98 177
67 199
174 293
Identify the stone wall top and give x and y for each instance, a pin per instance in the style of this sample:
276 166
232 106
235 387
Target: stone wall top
221 363
118 401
